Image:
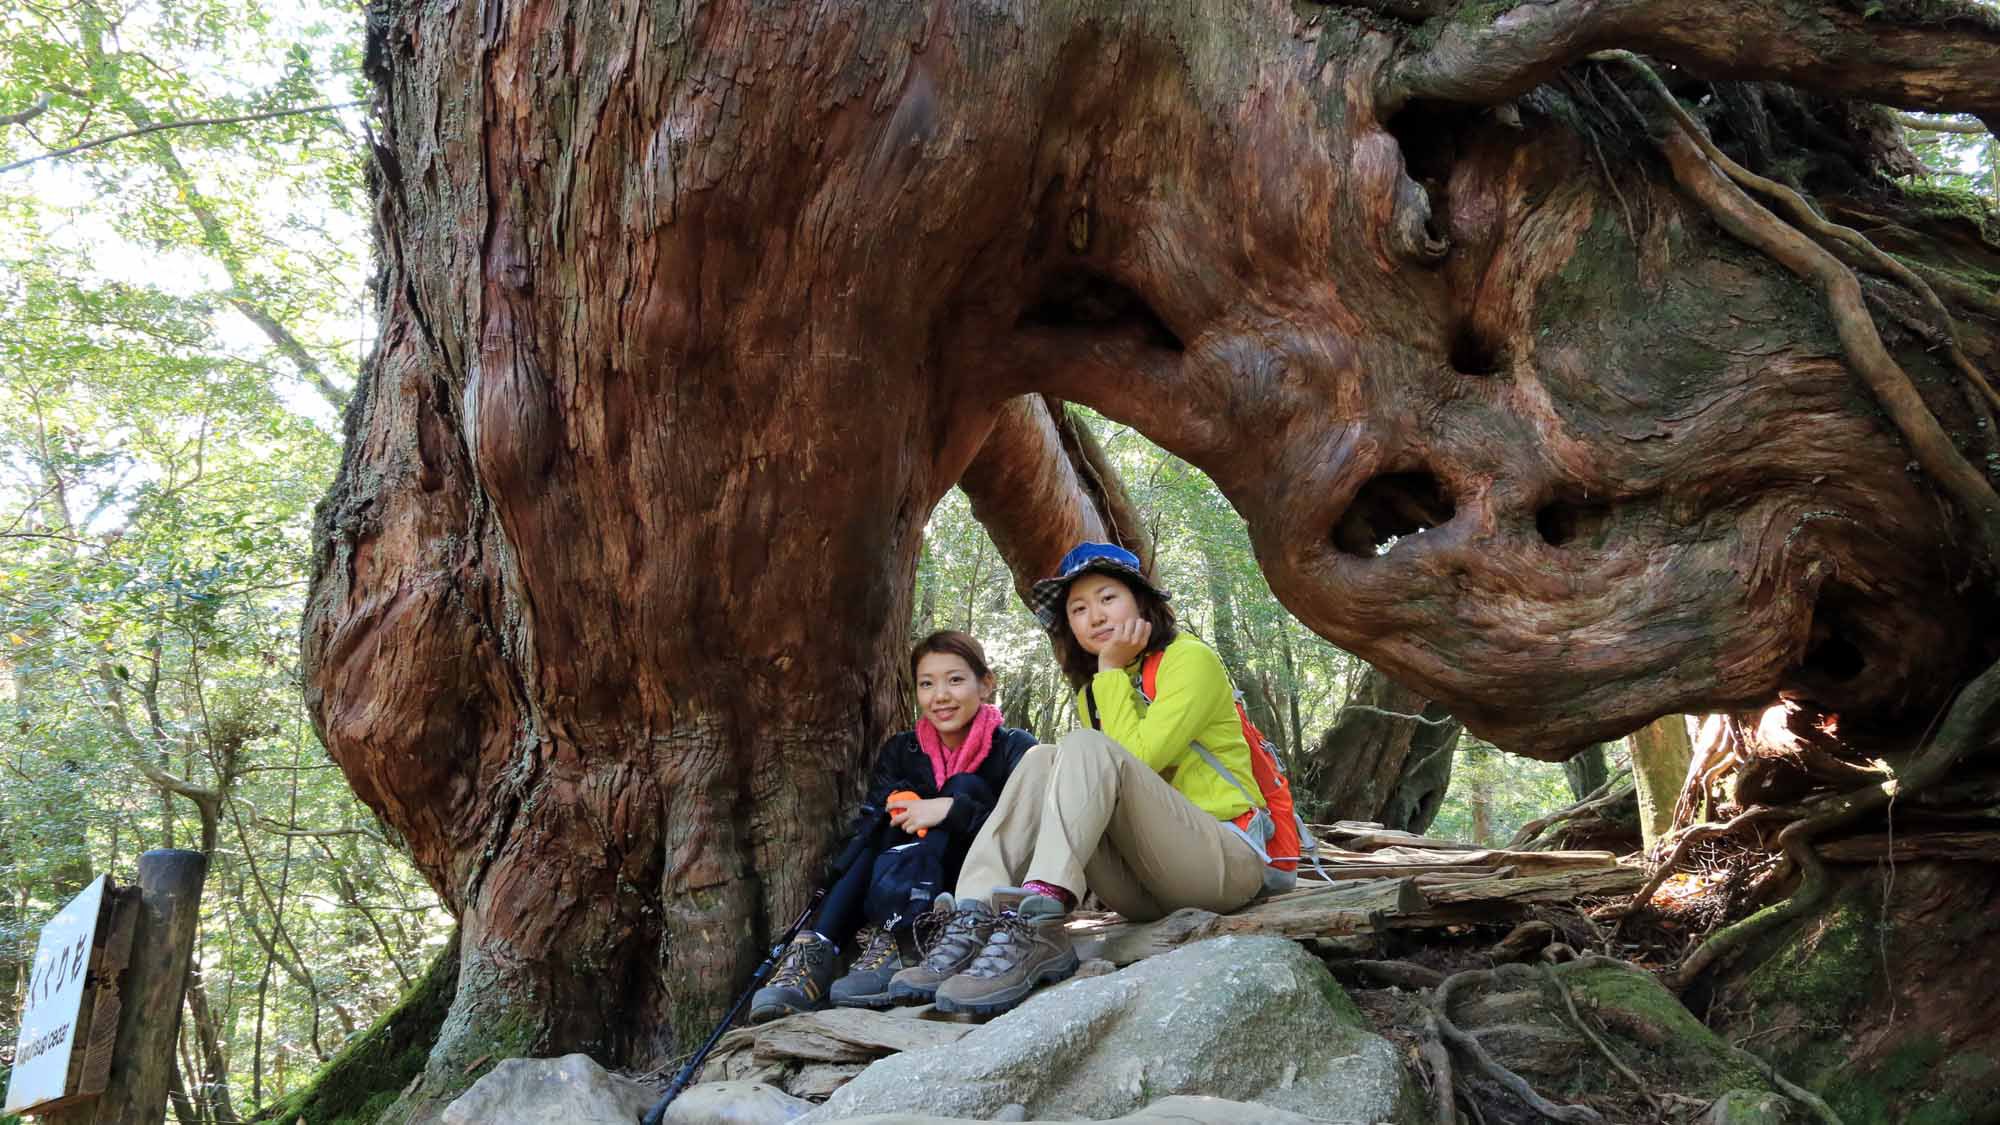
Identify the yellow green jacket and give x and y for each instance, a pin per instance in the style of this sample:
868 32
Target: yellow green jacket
1194 703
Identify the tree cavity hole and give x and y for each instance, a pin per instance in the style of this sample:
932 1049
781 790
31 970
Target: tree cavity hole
1565 522
1392 507
1083 298
1473 354
1833 655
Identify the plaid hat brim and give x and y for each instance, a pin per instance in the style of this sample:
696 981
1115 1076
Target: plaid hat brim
1046 597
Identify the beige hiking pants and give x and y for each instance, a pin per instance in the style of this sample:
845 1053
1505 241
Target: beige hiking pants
1086 815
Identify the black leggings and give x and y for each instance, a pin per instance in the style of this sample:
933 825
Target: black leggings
843 912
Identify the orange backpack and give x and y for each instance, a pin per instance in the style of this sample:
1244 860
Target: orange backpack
1276 830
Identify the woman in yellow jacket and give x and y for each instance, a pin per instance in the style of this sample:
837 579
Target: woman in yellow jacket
1132 807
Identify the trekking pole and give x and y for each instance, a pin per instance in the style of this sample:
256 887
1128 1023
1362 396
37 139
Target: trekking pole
686 1073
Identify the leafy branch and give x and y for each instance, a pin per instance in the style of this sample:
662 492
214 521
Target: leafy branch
160 126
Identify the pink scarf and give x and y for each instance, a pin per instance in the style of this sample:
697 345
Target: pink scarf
946 762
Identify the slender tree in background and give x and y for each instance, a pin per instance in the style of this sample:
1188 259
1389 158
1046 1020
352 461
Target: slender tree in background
1661 752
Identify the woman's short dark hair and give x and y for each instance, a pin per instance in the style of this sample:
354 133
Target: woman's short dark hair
1079 666
951 642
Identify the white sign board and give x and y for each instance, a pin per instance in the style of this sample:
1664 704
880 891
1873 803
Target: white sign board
55 994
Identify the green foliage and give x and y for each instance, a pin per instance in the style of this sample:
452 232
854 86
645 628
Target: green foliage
180 321
374 1066
1964 177
1293 680
1493 794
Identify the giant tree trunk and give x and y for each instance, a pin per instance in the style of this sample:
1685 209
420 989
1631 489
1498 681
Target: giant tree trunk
691 310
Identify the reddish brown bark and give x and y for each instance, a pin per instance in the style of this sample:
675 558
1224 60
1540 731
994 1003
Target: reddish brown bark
692 311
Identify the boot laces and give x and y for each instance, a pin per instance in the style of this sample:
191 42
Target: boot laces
879 950
1009 942
797 965
943 941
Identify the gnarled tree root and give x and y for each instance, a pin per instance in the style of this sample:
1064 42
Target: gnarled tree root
1712 179
1785 1086
1486 1064
1803 216
1965 728
1576 1019
1431 1049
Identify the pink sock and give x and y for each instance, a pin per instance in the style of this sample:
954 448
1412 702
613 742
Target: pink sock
1037 887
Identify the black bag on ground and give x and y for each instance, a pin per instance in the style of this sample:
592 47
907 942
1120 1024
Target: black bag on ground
905 879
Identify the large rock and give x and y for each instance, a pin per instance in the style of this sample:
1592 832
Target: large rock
734 1103
1181 1109
1252 1019
572 1089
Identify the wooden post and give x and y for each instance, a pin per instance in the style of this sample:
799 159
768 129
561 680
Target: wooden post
149 1020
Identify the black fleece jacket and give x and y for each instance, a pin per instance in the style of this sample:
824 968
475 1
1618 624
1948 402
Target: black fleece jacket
901 764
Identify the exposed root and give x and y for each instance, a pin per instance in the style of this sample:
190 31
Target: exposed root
1486 1064
1604 796
1576 1019
1966 727
1431 1049
1712 179
1805 218
1397 974
1790 1089
1718 750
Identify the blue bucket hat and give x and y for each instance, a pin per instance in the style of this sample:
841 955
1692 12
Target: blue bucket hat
1046 599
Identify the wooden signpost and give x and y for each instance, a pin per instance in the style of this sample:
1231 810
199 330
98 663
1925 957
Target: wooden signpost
104 998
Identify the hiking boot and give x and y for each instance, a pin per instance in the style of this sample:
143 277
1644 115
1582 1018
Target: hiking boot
953 933
1028 946
866 984
800 983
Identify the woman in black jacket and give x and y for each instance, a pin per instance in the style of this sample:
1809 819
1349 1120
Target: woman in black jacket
903 848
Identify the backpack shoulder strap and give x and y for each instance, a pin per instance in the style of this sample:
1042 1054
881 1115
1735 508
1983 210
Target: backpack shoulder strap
1149 674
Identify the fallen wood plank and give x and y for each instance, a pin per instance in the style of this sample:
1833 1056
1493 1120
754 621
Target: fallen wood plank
1436 878
1927 845
1504 899
1340 872
1387 838
1321 911
1526 862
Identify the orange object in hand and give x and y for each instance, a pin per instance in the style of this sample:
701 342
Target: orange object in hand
900 800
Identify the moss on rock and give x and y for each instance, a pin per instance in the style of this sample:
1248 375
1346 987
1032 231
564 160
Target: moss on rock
1848 1003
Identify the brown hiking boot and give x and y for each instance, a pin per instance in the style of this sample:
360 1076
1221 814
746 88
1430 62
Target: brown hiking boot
800 983
866 984
1029 946
951 936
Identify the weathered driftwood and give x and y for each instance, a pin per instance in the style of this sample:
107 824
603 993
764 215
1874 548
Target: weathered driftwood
1436 858
1357 907
1360 907
1503 900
